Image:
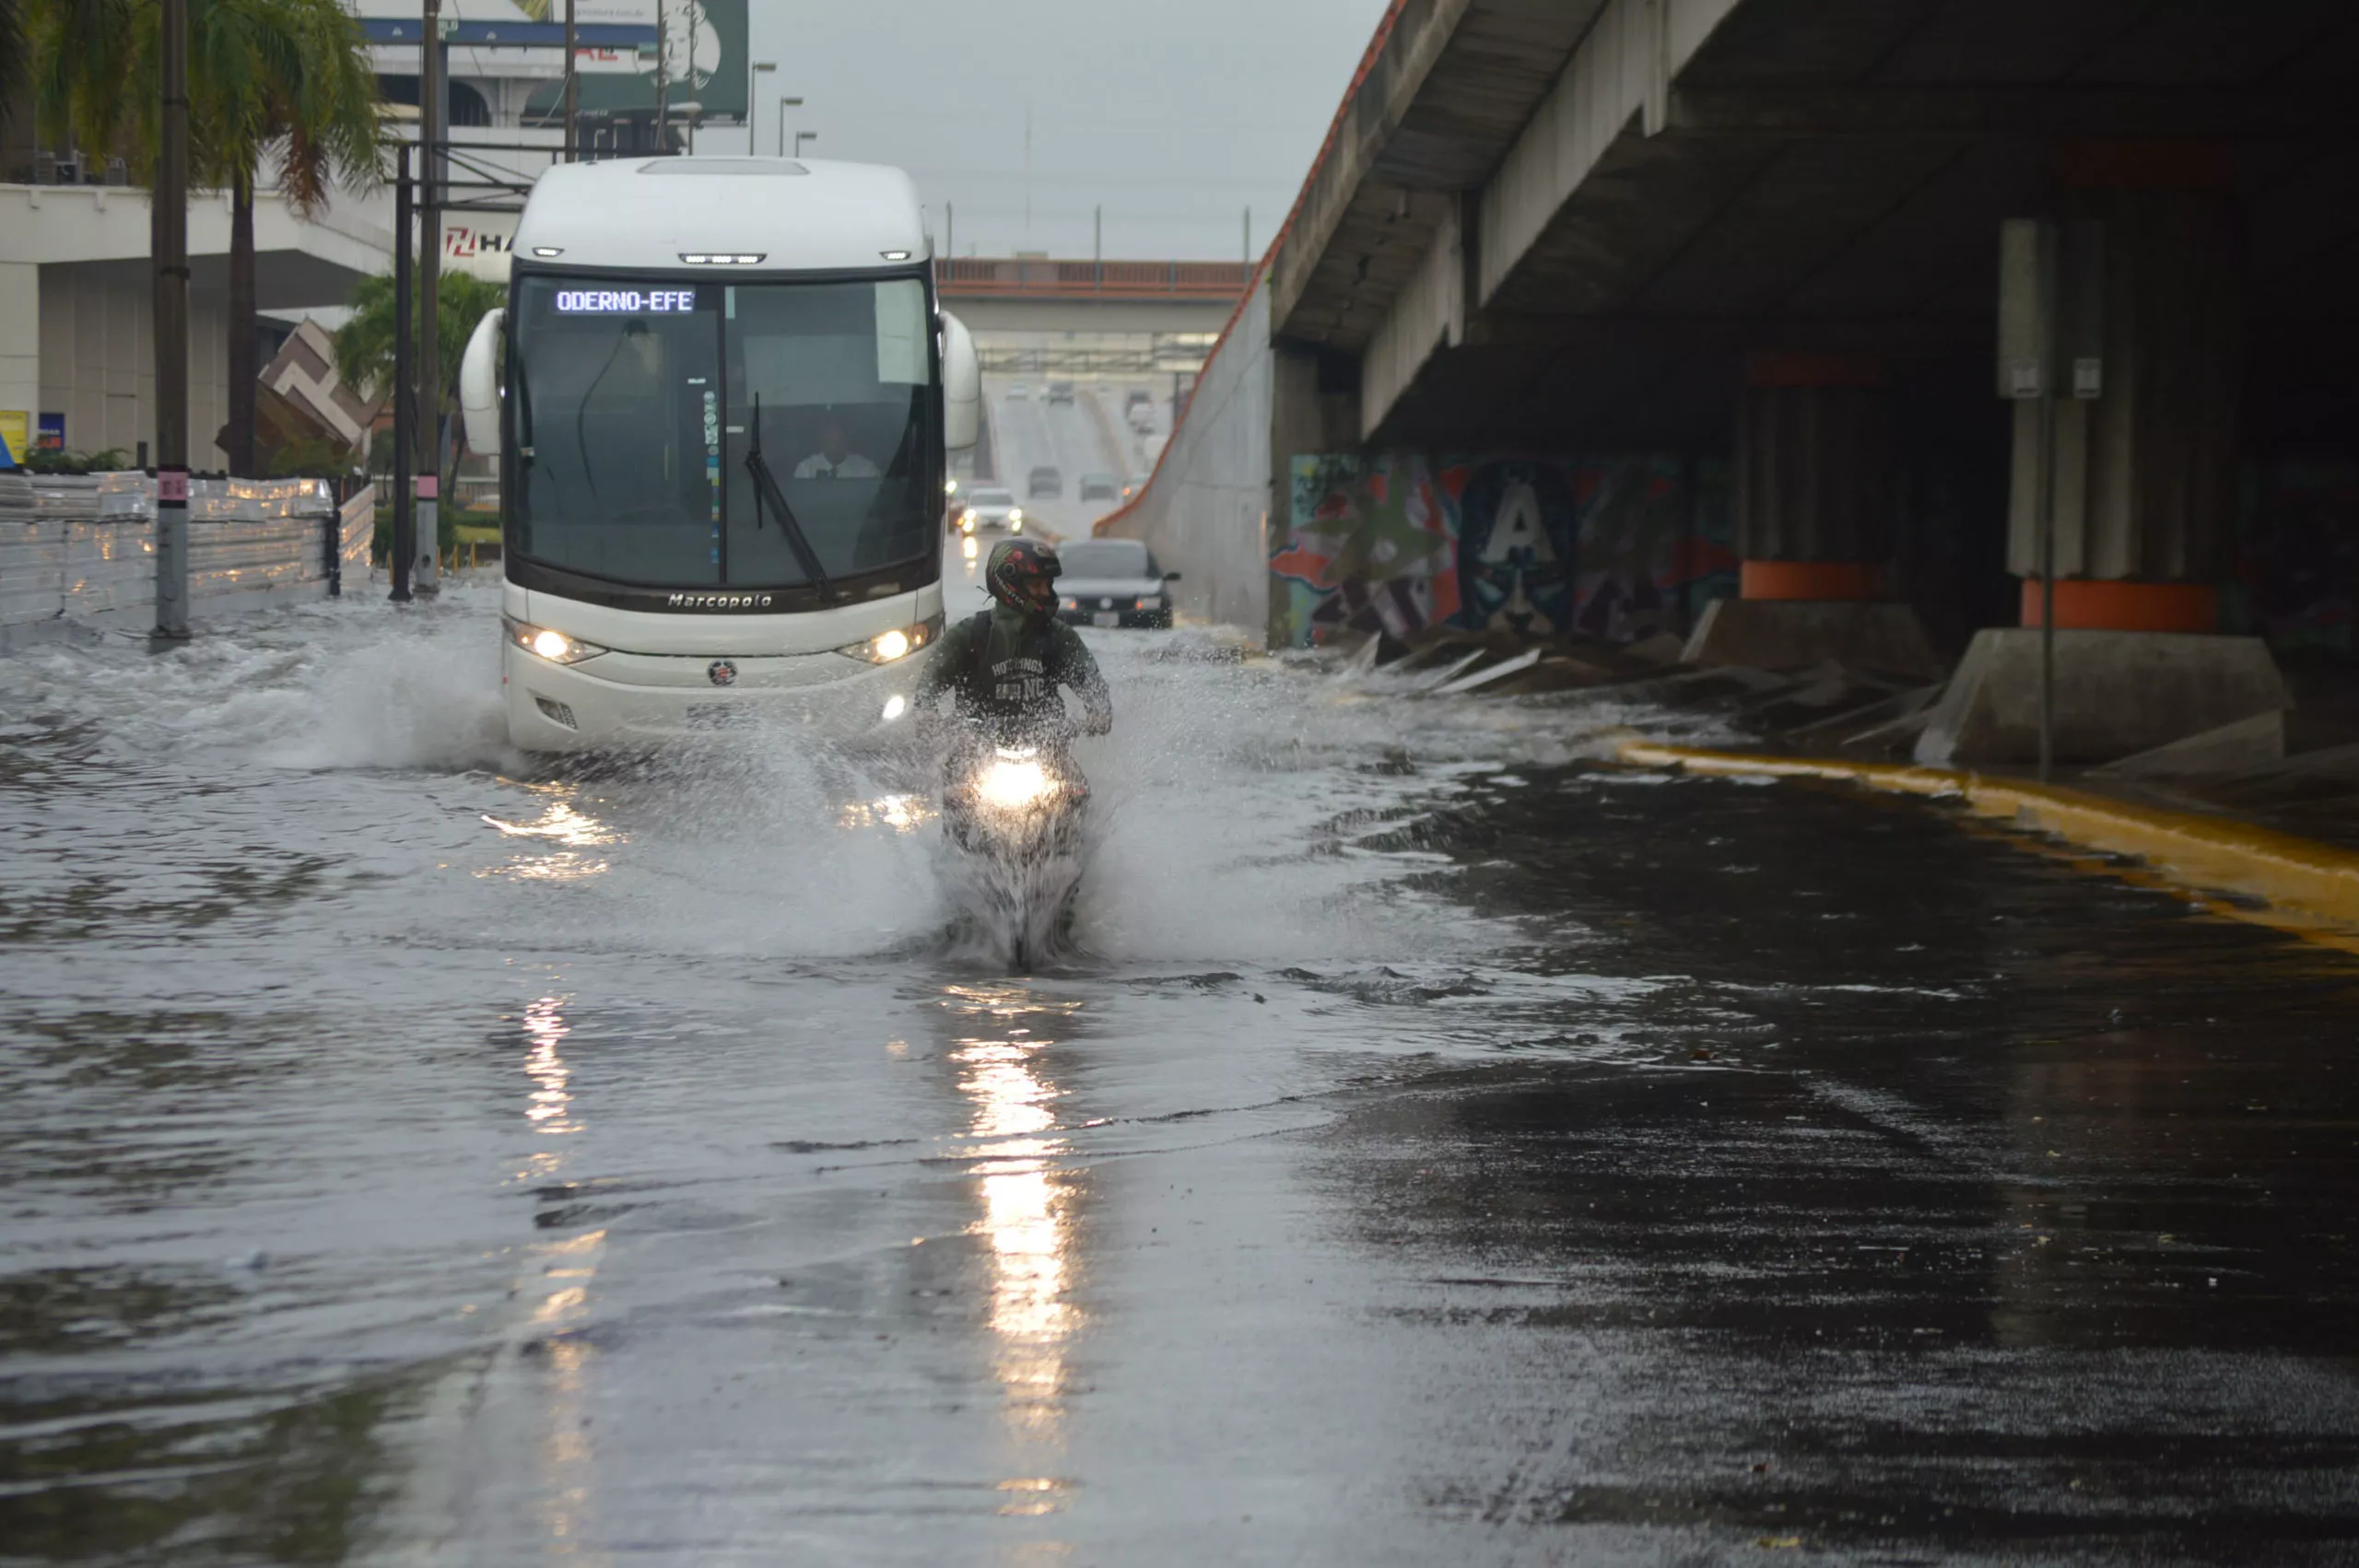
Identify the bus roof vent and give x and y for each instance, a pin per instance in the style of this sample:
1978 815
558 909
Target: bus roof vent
730 165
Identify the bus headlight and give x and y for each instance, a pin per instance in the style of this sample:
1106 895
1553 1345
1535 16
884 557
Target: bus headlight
898 643
553 646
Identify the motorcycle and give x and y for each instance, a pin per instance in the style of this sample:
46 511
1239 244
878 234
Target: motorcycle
1013 807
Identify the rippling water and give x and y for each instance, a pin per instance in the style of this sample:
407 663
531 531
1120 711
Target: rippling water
336 1034
413 1153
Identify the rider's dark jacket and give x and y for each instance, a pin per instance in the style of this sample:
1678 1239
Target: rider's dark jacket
1003 669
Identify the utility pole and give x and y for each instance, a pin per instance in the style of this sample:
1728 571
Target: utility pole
572 92
663 76
1248 237
950 230
170 241
404 379
1098 246
424 573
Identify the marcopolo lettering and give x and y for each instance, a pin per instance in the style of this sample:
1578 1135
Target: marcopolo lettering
718 601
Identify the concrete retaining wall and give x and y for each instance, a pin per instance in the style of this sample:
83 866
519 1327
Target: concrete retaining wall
78 550
1205 511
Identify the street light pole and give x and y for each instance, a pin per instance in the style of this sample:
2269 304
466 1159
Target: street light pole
170 243
424 573
573 90
802 137
405 383
784 105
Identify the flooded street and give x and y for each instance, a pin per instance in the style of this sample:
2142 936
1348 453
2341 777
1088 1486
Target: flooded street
1444 1148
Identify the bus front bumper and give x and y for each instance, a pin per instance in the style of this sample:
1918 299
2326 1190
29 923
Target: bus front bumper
624 700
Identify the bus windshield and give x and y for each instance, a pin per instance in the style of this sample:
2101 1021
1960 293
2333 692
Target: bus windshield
638 404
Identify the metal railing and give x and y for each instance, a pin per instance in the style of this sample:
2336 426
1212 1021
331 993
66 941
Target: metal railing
77 548
1032 278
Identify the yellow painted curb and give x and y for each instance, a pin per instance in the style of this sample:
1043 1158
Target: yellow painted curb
2310 888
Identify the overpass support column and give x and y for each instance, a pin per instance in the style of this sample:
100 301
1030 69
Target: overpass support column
2146 473
1813 493
2143 484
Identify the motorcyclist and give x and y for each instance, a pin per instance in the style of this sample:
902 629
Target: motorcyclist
1004 666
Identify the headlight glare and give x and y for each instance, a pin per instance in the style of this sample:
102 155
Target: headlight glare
898 643
545 642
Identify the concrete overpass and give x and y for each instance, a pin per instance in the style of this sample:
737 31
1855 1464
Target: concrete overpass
1760 240
1030 294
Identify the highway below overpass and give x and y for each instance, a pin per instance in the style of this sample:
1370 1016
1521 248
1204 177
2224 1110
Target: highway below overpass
1441 1148
1085 435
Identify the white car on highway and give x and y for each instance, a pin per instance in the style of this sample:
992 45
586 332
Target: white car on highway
991 508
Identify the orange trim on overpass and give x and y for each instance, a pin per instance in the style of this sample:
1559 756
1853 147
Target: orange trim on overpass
1036 277
1845 581
2086 604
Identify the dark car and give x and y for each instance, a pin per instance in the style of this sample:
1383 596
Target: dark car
1112 582
1100 487
1044 481
1059 392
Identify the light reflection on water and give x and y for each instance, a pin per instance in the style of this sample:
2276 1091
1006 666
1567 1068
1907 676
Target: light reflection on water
563 824
563 1270
1029 1206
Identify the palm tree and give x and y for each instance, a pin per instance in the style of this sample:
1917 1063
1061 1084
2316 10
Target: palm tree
273 83
16 46
283 81
364 345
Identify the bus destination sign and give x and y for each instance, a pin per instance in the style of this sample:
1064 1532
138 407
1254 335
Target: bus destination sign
624 301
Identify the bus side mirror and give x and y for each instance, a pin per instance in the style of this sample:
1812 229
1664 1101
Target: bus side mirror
480 385
962 386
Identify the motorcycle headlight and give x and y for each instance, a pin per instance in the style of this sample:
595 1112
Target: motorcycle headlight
898 643
553 646
1012 782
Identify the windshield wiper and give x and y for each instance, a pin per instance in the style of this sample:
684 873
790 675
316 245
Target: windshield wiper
767 495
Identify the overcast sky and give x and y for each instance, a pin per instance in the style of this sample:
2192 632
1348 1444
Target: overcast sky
1174 115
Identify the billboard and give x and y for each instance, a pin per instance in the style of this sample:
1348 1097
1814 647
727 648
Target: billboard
706 46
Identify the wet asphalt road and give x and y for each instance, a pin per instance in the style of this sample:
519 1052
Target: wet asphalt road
1446 1151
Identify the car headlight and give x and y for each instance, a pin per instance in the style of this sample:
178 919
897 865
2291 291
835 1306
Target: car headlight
553 646
898 643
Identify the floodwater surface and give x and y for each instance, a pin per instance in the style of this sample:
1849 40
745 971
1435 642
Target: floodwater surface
1442 1149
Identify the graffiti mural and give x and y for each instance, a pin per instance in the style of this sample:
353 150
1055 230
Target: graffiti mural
1517 533
1371 546
1617 547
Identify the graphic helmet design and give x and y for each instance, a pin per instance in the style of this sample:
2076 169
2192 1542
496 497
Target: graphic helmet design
1022 575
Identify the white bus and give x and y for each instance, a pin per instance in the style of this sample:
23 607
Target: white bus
721 392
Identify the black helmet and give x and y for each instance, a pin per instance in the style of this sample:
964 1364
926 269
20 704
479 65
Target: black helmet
1022 575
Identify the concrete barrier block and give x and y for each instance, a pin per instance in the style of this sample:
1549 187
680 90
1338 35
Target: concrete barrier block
2117 693
2247 746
